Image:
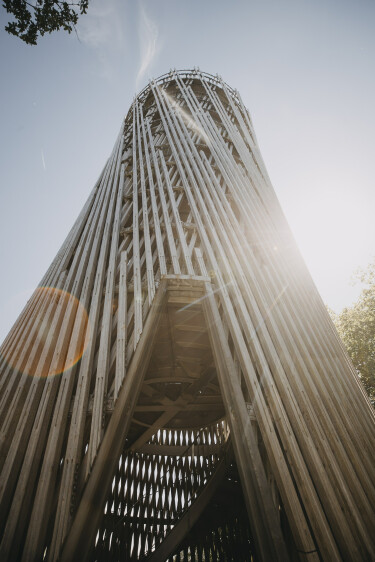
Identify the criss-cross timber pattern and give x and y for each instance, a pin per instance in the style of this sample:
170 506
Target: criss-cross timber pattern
177 341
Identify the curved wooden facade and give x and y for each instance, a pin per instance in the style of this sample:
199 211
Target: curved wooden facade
175 389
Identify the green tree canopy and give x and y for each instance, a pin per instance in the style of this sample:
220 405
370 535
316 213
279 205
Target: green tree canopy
356 327
32 19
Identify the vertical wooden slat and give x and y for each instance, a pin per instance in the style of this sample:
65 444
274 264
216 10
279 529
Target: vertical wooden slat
146 227
95 276
43 498
89 511
167 222
121 326
321 528
37 384
176 216
263 515
106 327
136 250
155 214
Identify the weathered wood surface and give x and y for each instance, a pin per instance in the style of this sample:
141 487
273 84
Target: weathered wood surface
184 206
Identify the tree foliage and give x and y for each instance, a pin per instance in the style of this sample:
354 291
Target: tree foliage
42 16
356 327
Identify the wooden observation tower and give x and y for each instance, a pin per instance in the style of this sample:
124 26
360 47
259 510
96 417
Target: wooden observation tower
174 389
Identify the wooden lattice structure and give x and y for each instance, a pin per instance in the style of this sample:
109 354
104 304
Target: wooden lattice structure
174 389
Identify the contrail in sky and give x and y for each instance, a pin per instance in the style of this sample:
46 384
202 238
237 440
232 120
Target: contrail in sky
148 34
43 161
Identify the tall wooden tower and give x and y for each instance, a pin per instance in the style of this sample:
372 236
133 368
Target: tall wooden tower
174 389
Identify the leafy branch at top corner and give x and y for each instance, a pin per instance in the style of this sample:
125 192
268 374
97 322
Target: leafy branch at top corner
32 19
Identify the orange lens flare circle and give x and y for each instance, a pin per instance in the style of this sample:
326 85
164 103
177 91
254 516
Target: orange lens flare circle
58 336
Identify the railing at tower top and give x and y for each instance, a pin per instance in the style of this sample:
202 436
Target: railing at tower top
194 73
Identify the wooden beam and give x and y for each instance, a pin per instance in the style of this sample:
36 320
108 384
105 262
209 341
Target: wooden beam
90 508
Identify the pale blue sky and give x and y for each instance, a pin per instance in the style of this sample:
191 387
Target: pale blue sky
305 70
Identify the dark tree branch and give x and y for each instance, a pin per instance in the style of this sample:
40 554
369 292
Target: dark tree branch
32 20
